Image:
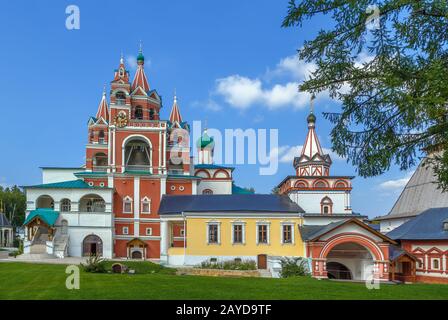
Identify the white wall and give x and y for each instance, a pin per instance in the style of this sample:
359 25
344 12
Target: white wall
217 186
52 175
389 225
310 200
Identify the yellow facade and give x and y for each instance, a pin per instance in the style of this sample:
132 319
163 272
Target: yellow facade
197 237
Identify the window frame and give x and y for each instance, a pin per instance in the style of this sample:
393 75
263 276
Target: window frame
148 229
145 201
125 230
243 232
292 232
257 234
218 233
127 200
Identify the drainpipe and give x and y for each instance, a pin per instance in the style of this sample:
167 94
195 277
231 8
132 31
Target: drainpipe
185 234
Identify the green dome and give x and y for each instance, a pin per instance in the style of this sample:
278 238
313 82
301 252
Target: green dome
140 57
311 118
205 141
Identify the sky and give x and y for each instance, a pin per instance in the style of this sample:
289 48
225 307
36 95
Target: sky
230 62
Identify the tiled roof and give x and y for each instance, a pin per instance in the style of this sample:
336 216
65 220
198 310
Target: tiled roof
426 226
248 203
73 184
420 193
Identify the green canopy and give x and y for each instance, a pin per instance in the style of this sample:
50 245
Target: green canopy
49 216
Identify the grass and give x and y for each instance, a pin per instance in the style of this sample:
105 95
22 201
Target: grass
46 281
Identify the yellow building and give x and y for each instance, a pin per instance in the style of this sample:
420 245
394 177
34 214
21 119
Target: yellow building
227 227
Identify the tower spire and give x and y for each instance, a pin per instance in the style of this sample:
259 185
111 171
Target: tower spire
140 79
103 108
175 113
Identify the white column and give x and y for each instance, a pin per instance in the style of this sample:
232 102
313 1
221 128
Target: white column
164 234
136 206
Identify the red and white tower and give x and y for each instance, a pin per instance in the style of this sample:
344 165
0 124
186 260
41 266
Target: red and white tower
324 198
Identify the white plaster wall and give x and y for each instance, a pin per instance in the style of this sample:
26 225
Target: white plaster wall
359 268
217 186
77 235
389 225
310 200
52 175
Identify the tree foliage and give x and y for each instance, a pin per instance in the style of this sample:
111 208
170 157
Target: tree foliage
14 201
392 79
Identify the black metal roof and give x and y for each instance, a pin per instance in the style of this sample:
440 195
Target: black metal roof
312 231
4 222
175 204
426 226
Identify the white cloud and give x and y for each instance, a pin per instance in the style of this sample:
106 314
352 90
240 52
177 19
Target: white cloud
243 92
397 184
131 62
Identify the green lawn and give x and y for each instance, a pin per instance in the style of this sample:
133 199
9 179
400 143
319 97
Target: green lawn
45 281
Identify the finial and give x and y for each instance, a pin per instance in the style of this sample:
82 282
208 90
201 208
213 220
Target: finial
121 57
140 50
206 125
175 96
104 90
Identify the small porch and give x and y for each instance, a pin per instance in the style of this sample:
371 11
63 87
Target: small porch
173 238
40 231
137 249
402 266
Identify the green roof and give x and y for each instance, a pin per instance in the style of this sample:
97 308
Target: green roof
238 190
73 184
91 173
49 216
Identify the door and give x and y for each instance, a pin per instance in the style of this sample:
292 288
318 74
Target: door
262 261
93 249
136 255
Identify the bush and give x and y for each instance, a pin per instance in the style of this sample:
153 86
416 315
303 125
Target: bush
14 253
229 265
294 267
94 264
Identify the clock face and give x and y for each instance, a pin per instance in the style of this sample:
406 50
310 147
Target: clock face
121 120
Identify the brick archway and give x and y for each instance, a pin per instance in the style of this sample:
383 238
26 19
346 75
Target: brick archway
357 238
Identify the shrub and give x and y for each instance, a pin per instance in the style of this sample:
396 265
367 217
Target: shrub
229 265
294 267
14 253
94 264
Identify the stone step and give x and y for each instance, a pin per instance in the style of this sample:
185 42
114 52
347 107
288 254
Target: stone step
34 256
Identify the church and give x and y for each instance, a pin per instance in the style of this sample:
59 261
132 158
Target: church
139 196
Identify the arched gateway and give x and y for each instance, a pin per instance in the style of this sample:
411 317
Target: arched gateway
92 245
349 250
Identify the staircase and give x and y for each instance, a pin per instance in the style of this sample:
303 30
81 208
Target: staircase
60 245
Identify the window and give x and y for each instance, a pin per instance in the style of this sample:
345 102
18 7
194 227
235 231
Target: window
420 263
66 205
151 114
120 97
237 260
262 233
149 231
213 233
101 137
326 209
138 113
287 233
320 184
238 233
92 136
146 205
127 205
445 226
326 205
435 264
207 191
181 188
125 230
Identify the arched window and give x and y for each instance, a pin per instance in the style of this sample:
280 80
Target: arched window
137 155
100 161
146 205
46 202
320 184
120 97
435 264
92 203
326 206
207 191
301 184
138 113
101 137
340 184
127 205
151 114
66 205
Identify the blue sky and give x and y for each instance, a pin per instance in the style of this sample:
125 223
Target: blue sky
230 62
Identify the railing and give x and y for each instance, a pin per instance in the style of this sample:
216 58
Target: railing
138 168
99 168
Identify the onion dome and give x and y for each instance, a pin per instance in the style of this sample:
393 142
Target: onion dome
205 141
